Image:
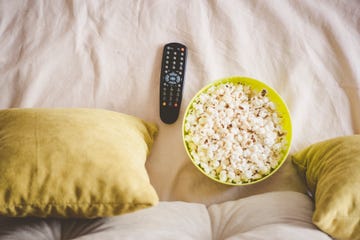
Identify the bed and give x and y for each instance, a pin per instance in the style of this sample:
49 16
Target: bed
107 55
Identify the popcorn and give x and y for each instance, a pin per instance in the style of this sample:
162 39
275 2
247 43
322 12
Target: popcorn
234 133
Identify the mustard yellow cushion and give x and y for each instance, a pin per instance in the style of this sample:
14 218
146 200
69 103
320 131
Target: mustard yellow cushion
73 163
332 172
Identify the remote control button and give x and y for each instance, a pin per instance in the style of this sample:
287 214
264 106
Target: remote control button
172 78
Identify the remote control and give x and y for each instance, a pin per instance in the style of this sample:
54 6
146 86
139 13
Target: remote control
172 81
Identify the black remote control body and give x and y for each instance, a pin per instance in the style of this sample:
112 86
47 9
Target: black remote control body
172 81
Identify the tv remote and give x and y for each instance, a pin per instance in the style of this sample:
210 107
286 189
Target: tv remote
172 81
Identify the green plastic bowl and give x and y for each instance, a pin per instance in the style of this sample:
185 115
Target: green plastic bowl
280 107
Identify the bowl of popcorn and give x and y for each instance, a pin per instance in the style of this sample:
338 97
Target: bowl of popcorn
237 131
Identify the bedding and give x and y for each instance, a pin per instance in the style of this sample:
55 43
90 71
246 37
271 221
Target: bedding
331 170
282 214
107 55
73 163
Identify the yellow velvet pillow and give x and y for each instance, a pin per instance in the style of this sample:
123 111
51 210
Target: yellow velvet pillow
332 172
73 163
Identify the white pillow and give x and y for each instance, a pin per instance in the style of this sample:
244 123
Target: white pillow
275 215
166 220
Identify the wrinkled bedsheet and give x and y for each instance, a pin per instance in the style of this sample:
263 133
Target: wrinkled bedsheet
107 54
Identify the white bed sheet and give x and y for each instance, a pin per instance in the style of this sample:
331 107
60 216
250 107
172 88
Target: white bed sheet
107 54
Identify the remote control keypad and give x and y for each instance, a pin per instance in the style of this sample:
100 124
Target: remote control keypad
174 64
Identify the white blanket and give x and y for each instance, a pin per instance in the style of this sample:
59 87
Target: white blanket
107 54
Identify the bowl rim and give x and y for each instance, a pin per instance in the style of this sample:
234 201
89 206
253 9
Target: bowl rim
244 80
